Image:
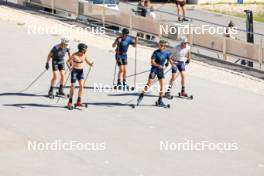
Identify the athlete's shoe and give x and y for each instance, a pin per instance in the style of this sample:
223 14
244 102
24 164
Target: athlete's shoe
160 102
78 103
61 92
50 93
119 85
167 95
69 104
184 94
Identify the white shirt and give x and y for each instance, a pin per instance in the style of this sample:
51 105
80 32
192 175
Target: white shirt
179 54
152 15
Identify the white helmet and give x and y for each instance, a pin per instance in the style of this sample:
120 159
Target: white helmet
65 41
183 39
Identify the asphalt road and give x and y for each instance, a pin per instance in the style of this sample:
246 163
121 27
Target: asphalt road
218 113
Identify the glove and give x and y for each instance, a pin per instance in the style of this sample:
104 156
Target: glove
167 64
91 64
47 66
187 62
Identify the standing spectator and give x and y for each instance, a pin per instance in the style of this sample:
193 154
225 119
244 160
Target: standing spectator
152 14
180 4
229 30
145 9
139 7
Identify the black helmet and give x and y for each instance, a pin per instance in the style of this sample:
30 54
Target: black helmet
82 47
125 31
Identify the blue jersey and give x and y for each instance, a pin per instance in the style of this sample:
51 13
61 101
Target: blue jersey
122 46
160 57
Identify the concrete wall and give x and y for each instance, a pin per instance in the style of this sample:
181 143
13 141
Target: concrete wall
221 1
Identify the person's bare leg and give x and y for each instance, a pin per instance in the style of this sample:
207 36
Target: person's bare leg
182 74
172 80
161 87
147 86
120 73
53 79
71 94
124 74
81 82
178 12
62 75
72 90
183 11
52 83
62 82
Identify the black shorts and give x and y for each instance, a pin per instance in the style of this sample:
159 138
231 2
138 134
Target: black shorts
179 66
156 72
76 74
58 66
121 61
180 3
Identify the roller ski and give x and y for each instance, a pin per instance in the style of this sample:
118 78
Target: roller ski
160 103
128 88
124 87
50 94
185 95
118 86
61 93
168 96
69 106
80 105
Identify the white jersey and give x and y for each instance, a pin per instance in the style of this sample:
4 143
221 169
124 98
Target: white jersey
179 54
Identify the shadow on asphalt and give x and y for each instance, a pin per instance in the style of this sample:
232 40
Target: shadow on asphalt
131 94
24 105
21 94
109 104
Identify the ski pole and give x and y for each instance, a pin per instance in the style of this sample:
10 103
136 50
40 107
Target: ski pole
138 73
34 81
135 66
87 75
114 74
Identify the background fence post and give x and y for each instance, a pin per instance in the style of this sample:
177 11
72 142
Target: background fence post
52 6
260 53
103 17
224 49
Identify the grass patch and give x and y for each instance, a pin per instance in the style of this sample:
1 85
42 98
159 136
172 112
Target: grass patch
256 18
